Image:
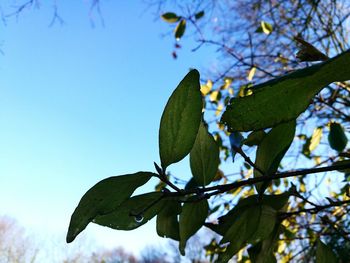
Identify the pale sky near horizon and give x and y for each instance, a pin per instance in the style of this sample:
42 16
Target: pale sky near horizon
79 104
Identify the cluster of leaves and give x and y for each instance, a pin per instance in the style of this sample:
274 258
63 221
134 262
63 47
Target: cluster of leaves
270 112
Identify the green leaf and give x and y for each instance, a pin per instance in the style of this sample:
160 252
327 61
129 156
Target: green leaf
103 198
180 120
192 218
242 228
199 15
324 253
336 137
170 17
254 138
204 157
262 252
272 149
267 222
180 29
133 213
167 222
277 202
266 27
251 224
283 99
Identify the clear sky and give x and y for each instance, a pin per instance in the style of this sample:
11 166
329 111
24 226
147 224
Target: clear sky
79 104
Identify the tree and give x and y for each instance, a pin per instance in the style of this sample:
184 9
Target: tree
275 207
15 245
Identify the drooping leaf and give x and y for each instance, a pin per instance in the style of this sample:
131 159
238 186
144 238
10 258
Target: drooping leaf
236 141
251 224
103 198
180 29
336 137
277 202
192 218
204 157
267 222
272 149
180 120
242 228
262 252
170 17
254 138
132 213
167 222
199 15
324 253
283 99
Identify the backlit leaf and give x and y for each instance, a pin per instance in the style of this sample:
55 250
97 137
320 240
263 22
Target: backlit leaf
167 222
180 120
192 218
284 98
170 17
204 157
266 27
251 74
272 149
133 213
251 223
103 198
180 29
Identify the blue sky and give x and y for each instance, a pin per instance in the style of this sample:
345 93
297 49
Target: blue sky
79 104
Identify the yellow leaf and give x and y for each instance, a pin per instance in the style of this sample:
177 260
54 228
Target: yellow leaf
266 27
213 96
230 91
281 246
251 74
205 89
219 109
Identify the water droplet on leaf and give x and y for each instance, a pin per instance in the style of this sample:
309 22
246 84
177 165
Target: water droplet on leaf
139 218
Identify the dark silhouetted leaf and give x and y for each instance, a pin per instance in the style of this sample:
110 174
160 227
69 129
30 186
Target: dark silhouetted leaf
180 120
199 15
262 252
192 218
324 253
251 224
170 17
272 149
336 137
103 198
180 29
283 99
167 222
204 157
308 52
130 214
277 202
